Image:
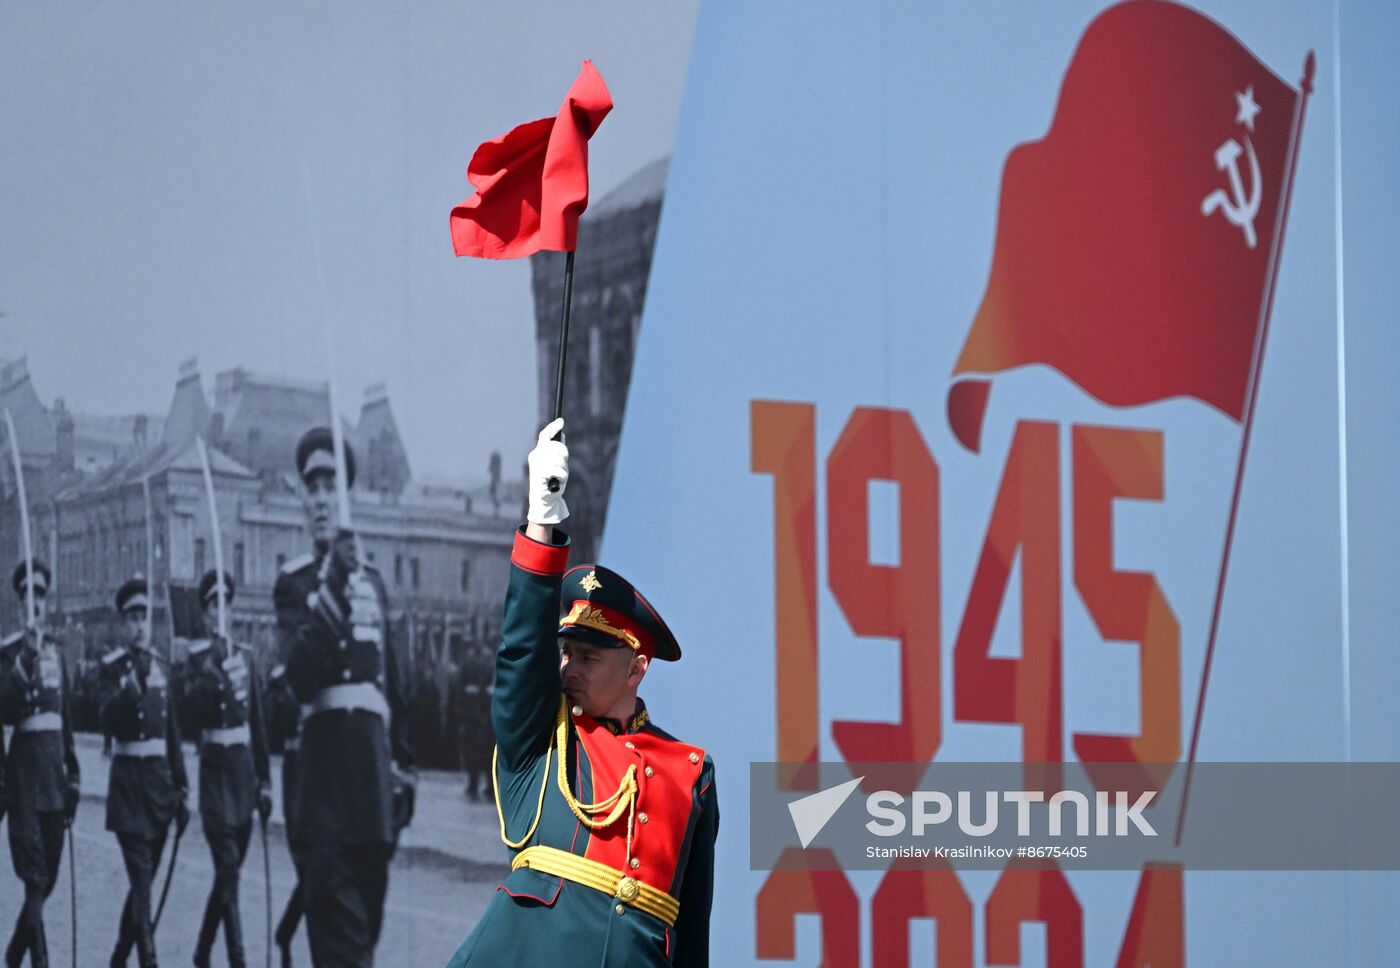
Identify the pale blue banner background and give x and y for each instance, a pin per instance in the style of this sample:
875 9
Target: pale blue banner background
826 238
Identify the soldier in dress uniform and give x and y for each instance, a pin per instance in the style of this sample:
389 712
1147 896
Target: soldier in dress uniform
147 786
42 765
354 791
284 727
612 820
223 701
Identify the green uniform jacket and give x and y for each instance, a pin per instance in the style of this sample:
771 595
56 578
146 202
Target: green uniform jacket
537 919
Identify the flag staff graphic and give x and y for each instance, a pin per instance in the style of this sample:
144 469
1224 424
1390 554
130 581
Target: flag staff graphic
27 539
1256 368
563 347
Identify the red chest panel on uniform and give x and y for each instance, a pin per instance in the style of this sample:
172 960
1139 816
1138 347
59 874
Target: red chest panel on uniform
667 771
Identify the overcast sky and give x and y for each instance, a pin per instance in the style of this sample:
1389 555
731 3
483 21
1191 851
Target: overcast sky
206 180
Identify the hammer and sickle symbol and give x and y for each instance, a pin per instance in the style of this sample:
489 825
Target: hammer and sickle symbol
1238 208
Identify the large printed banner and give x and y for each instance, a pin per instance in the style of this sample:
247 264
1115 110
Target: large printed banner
985 409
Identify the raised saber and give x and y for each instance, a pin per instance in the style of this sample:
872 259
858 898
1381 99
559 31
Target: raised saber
342 481
218 540
342 487
150 566
23 519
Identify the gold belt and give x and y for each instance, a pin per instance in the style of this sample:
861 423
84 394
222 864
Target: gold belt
600 877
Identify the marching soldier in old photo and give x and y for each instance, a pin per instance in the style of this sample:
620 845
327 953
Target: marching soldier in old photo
223 702
147 785
42 765
612 820
354 789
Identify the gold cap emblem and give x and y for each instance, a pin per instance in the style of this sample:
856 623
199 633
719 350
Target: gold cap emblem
591 583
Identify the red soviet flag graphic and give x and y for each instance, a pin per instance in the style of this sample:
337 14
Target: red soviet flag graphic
532 182
1136 241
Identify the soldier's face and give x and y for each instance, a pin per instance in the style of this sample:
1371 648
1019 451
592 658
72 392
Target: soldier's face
134 620
211 616
318 498
40 608
598 679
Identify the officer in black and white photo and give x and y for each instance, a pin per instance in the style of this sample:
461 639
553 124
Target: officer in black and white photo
147 786
354 789
42 766
222 700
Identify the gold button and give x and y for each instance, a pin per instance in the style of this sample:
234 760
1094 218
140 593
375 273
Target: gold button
649 771
619 909
635 863
630 745
577 710
695 757
642 817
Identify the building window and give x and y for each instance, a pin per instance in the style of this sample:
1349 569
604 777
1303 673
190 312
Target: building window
238 561
398 569
415 572
466 573
199 557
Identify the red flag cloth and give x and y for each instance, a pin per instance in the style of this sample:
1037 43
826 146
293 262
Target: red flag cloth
1135 240
532 182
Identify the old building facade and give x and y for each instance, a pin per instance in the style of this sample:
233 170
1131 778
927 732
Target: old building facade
442 548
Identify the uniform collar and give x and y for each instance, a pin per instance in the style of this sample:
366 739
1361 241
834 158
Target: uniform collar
635 724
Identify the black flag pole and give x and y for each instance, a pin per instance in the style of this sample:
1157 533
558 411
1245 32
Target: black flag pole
563 347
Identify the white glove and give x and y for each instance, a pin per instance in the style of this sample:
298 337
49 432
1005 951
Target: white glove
549 460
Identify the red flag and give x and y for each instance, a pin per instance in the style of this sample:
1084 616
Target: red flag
1135 241
532 182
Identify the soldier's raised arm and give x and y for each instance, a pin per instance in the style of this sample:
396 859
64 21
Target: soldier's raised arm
527 663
